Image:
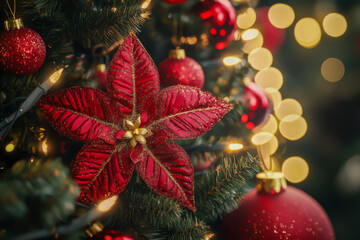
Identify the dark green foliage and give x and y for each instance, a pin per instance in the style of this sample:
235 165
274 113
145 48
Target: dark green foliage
36 193
218 191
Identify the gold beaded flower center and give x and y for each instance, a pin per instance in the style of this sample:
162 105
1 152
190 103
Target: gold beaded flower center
134 133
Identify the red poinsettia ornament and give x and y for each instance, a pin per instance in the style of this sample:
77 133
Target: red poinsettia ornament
128 128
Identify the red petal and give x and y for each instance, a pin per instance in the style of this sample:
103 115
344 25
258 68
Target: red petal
187 112
168 171
102 170
132 76
83 114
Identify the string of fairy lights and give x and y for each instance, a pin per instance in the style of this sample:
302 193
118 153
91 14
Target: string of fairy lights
287 118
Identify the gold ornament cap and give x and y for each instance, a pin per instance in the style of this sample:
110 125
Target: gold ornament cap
94 229
177 53
270 182
101 67
11 24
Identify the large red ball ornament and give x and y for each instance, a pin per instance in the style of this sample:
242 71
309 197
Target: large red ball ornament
273 37
181 70
22 50
257 106
112 235
277 214
220 15
175 1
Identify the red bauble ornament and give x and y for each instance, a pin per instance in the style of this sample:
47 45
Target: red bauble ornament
112 235
257 106
100 74
273 37
221 16
175 1
277 213
181 70
22 50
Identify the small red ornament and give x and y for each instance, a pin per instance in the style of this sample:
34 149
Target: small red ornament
175 1
221 16
100 74
276 212
112 235
128 128
181 70
22 50
273 37
257 106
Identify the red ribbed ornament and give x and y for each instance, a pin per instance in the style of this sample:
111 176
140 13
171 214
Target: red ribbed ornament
276 213
22 50
181 70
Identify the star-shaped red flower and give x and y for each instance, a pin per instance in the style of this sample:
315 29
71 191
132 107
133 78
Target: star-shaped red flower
128 128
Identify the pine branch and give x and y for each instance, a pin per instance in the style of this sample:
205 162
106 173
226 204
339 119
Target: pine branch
218 191
39 193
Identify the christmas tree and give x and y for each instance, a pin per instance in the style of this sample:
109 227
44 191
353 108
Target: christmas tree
162 111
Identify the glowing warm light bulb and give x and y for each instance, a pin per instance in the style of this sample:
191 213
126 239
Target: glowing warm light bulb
10 147
250 34
44 147
307 32
253 44
295 169
274 96
260 58
281 15
56 75
106 204
261 138
270 125
235 146
288 106
246 19
334 24
145 4
231 61
269 78
332 69
293 127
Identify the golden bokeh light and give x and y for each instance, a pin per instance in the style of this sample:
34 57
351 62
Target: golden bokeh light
288 106
295 169
332 69
231 60
269 126
334 24
235 146
10 147
307 32
293 127
250 34
253 44
281 15
145 4
274 96
260 58
269 148
44 147
106 204
246 19
261 138
269 78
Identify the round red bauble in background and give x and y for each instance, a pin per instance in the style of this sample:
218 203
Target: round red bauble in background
181 70
220 15
257 106
277 214
273 37
175 1
100 74
112 235
22 50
